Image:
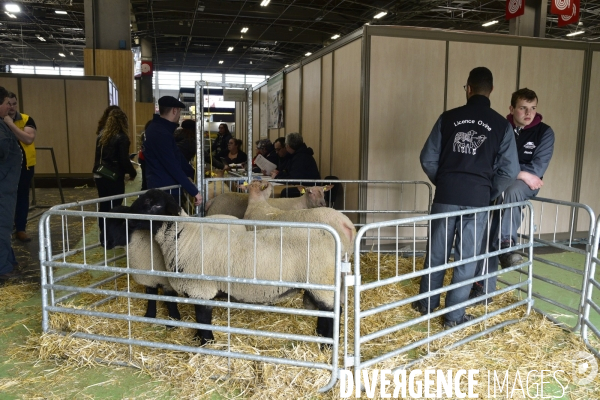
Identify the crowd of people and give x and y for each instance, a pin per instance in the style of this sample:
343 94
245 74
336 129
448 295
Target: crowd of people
474 156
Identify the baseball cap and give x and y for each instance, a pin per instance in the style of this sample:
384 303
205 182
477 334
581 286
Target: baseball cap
170 101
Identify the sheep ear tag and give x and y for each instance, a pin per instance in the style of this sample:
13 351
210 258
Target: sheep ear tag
303 191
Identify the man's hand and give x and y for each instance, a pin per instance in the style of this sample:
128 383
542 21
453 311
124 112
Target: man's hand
198 199
274 173
8 120
530 180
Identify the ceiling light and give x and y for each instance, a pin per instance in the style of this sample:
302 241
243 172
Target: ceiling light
61 54
490 23
575 33
308 54
244 29
381 14
180 22
13 8
230 48
41 38
265 3
71 53
250 62
220 61
201 7
286 65
60 12
10 15
335 36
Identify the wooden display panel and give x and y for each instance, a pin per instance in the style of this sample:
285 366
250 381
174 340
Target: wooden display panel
590 189
406 98
291 117
326 111
10 84
502 60
311 108
83 113
345 138
44 99
144 112
556 76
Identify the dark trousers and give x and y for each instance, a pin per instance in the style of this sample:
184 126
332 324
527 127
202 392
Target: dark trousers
464 232
511 218
22 208
106 188
143 168
8 201
488 244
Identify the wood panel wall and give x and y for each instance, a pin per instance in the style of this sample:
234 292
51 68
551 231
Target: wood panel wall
10 84
311 107
326 110
118 64
292 103
590 189
44 99
556 77
80 105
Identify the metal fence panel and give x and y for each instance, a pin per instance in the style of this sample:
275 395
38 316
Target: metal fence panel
591 310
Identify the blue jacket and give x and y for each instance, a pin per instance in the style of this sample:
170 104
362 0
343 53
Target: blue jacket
165 165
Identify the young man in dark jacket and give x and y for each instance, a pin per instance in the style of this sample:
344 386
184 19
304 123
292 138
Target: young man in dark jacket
535 145
470 157
165 165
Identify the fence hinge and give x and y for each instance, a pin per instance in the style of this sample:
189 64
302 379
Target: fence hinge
349 361
350 280
346 267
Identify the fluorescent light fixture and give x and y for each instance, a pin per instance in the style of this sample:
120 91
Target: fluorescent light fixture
41 38
286 65
13 8
308 54
244 29
10 15
60 12
335 36
490 23
61 54
230 49
265 3
575 33
381 14
220 61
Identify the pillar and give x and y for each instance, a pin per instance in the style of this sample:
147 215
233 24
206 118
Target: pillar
532 22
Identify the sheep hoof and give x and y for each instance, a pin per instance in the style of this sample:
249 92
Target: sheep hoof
204 337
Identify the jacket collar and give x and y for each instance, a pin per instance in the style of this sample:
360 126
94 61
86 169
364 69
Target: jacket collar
479 100
536 120
18 117
163 121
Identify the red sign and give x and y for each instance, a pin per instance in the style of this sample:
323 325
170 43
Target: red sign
514 8
572 17
146 68
561 7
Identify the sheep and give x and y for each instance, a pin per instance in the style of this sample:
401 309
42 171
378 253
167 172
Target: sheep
147 256
259 209
200 249
236 203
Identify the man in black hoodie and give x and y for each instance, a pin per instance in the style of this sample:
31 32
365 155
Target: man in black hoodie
301 165
535 145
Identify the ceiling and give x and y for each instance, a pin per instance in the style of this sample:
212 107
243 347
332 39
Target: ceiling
194 35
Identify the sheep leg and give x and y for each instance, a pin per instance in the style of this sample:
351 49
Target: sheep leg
203 316
325 326
151 306
171 305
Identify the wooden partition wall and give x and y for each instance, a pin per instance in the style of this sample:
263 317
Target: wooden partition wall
367 105
66 111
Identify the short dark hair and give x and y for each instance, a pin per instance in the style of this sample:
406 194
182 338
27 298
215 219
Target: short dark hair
280 140
481 81
524 94
3 94
11 95
294 140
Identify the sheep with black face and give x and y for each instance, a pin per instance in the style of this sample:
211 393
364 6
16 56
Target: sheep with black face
197 249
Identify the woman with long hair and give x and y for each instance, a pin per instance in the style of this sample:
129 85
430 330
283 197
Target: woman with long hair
104 117
112 153
235 155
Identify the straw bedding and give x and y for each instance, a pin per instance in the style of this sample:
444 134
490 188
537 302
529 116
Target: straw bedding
533 343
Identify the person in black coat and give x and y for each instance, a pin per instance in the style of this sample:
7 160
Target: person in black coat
267 150
301 165
112 152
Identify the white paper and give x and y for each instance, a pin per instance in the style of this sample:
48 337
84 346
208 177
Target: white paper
264 164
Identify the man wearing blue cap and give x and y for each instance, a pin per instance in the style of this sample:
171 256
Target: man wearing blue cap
165 165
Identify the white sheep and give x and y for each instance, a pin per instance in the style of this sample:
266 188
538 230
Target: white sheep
236 203
145 254
259 209
195 248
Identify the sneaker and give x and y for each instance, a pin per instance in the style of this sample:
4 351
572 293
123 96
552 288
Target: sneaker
417 306
452 324
508 260
22 236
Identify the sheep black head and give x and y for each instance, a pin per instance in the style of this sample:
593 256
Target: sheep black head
116 229
154 202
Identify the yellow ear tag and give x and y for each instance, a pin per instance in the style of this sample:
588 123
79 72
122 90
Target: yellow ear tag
303 191
245 183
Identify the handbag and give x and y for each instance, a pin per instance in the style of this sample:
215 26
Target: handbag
104 171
